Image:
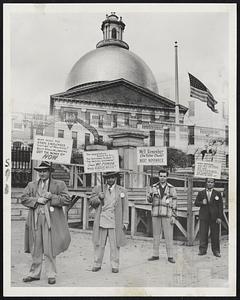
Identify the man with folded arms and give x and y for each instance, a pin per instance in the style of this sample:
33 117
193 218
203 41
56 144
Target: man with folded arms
110 221
210 214
46 230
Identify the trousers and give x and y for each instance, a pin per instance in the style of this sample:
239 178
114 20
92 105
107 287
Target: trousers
162 224
42 245
203 235
99 249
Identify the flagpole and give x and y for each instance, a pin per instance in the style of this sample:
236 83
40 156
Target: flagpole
176 98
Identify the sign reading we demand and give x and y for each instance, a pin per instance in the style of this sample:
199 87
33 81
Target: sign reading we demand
57 150
207 169
101 161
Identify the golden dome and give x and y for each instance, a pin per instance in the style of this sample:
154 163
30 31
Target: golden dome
109 63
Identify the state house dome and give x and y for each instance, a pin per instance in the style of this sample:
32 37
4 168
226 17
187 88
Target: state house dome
111 60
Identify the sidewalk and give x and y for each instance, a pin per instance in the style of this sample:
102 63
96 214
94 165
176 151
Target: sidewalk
74 266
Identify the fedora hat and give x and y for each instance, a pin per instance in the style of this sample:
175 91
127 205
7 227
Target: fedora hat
44 165
110 174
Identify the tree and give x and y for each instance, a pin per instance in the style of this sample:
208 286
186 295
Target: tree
176 159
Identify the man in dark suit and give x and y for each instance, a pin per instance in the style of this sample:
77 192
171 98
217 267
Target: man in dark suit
210 214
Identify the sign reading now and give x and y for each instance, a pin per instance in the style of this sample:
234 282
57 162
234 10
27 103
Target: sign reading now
101 161
57 150
152 156
207 169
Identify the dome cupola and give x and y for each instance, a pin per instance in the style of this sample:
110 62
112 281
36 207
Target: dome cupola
112 28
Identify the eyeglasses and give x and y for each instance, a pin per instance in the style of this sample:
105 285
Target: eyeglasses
43 171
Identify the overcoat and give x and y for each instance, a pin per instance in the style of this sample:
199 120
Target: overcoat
120 212
213 209
59 230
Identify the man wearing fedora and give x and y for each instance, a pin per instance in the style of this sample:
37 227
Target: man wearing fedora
210 214
111 220
46 229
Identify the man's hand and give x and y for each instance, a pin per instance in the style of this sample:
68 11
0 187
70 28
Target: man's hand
42 200
101 196
125 226
47 195
204 201
218 221
172 220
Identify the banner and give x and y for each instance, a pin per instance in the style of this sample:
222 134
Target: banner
207 169
57 150
101 161
152 156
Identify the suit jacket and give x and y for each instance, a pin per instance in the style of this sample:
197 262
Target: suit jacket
60 234
213 209
162 206
120 212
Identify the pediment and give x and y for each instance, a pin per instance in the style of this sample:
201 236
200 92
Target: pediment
119 92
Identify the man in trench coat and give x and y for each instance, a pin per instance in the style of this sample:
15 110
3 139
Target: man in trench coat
210 214
111 220
46 229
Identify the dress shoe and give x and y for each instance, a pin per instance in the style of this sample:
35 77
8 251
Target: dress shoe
171 260
153 258
217 254
29 279
51 280
115 270
202 253
95 269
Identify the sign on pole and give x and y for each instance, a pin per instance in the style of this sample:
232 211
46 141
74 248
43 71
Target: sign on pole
152 156
100 161
207 169
57 150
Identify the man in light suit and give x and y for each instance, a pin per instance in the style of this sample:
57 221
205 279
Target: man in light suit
210 214
46 230
163 197
111 220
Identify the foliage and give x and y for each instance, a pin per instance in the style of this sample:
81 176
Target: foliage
176 159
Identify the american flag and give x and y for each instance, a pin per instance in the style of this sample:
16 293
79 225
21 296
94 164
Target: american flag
200 91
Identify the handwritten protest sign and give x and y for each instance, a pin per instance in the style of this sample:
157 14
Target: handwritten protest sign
152 156
207 169
57 150
100 161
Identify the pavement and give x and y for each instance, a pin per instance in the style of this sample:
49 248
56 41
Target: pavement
74 266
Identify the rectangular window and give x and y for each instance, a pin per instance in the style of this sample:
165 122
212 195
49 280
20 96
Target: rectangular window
227 161
191 108
18 125
39 131
126 119
152 138
139 118
100 121
100 139
87 117
152 117
87 139
74 137
60 133
166 115
166 137
114 120
226 135
190 135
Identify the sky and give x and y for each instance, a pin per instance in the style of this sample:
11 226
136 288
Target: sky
45 41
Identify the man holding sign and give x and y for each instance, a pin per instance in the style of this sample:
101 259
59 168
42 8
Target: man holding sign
46 230
211 213
163 197
111 220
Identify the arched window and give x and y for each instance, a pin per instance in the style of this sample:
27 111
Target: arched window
114 33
